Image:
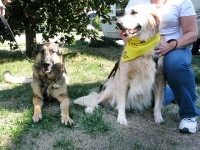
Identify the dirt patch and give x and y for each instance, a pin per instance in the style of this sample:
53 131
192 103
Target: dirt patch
141 134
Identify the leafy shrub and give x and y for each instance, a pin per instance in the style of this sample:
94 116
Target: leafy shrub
97 23
81 42
96 42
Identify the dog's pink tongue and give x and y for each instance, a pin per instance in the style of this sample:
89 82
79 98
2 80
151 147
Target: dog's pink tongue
124 32
131 31
47 70
127 32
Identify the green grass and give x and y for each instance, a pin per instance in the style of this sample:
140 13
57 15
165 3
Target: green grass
86 68
94 123
196 69
63 143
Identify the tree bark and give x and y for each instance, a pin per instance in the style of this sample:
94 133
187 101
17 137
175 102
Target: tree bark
30 36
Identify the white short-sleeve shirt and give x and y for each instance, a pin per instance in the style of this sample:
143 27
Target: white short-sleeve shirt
170 12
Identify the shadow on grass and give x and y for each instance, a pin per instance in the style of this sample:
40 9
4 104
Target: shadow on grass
11 56
16 110
110 53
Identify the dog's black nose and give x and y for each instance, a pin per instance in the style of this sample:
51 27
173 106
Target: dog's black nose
119 25
46 65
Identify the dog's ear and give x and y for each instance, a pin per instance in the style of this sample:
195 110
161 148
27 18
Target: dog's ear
37 48
155 19
61 44
60 50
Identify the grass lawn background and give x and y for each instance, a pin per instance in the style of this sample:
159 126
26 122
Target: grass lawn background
87 67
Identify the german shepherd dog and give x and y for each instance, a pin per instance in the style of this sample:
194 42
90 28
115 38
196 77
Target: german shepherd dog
132 85
49 76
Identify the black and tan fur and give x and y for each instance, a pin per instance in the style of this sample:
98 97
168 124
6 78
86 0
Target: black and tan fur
49 75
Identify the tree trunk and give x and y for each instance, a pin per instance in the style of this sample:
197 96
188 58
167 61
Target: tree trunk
30 36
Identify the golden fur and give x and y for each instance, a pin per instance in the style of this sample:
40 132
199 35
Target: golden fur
49 76
134 81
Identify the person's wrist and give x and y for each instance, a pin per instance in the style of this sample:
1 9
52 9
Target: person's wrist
173 43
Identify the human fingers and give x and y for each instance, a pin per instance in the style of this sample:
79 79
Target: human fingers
2 11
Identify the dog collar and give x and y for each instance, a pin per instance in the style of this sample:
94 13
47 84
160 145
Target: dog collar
135 48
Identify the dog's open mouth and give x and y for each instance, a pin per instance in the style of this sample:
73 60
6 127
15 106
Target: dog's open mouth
127 32
47 67
47 70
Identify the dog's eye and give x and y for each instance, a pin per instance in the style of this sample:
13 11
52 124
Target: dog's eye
42 51
133 12
53 51
36 52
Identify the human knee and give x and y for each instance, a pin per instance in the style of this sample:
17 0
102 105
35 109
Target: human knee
176 65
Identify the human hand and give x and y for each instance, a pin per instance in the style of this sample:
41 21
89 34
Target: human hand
164 47
2 8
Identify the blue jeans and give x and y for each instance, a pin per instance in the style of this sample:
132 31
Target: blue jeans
180 78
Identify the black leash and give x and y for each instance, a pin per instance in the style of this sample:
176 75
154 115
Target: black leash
112 74
12 35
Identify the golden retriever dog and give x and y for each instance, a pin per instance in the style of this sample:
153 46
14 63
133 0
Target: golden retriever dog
49 76
137 76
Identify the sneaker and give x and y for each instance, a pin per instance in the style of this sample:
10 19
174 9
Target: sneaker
188 125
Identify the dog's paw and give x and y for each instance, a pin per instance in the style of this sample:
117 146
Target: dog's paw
89 100
89 109
122 120
66 119
158 118
37 117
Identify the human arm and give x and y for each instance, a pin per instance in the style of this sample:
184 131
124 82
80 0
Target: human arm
190 31
190 34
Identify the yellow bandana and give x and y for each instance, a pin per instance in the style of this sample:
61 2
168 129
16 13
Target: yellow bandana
135 47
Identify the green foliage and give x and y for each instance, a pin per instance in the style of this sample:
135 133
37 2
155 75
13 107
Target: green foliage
51 17
97 23
102 42
81 42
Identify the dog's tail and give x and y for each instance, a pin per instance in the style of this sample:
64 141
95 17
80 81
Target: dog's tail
9 78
